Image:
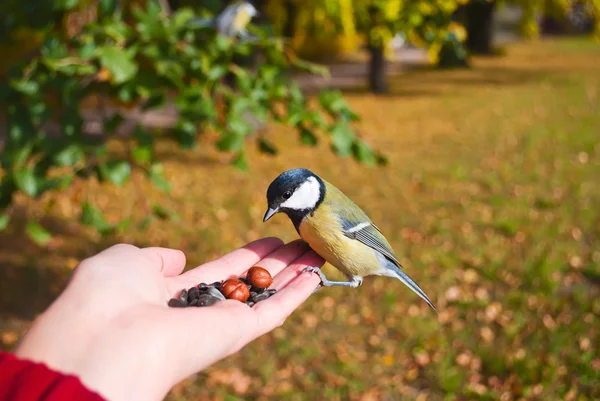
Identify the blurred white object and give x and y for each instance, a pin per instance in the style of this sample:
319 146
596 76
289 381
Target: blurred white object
234 19
398 41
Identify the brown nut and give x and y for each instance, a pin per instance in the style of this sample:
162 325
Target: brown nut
259 277
235 289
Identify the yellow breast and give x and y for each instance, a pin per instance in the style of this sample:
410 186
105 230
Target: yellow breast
325 237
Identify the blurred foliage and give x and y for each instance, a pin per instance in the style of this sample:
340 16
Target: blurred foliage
326 26
424 22
134 56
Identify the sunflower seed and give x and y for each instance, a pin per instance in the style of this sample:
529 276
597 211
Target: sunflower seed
193 293
177 303
215 293
183 296
207 300
261 297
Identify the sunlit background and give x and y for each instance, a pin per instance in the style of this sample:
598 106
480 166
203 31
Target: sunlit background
477 153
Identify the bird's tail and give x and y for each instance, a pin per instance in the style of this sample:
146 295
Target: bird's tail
413 286
196 23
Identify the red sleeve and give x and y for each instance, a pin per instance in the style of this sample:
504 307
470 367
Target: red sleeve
22 380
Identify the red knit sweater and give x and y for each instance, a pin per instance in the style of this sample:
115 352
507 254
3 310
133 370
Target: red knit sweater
22 380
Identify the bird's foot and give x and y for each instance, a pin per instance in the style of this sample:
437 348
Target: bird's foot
353 282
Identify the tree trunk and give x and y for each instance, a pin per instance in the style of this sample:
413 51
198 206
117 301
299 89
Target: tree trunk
289 29
377 78
479 16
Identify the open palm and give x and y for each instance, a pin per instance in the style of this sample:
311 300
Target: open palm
112 327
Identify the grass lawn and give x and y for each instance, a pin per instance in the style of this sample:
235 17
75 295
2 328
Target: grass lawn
491 200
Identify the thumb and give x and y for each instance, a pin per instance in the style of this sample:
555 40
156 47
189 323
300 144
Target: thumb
171 262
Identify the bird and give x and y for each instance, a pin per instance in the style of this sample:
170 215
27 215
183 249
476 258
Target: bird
335 228
232 21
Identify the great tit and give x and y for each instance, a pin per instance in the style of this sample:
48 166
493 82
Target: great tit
232 21
336 229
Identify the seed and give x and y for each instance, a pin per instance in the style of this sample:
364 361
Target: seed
250 303
202 286
259 277
272 291
193 293
235 289
258 290
215 293
183 296
177 303
216 284
193 302
207 300
261 297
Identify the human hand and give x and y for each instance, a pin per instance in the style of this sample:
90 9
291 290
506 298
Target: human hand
112 328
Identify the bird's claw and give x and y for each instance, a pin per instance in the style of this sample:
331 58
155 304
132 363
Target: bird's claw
313 269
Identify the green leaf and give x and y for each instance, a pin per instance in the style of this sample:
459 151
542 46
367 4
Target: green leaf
69 156
119 62
56 183
124 224
145 223
142 153
91 216
342 138
316 69
65 4
307 137
363 153
240 161
4 219
217 72
22 154
156 176
25 86
266 147
164 213
182 17
26 181
116 171
38 233
231 143
107 6
223 44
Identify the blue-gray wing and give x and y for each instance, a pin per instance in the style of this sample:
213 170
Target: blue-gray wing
369 234
357 225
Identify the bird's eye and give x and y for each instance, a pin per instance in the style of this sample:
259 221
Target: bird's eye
287 194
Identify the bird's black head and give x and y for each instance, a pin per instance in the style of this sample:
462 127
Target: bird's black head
296 193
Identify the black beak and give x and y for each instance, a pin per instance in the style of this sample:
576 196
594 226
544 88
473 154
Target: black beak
270 212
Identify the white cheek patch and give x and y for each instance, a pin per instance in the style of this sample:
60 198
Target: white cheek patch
305 197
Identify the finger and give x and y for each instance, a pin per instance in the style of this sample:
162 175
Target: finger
295 288
273 312
293 270
279 259
231 265
170 261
